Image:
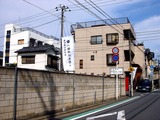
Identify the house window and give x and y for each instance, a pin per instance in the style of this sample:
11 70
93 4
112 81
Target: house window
127 55
96 40
8 34
39 43
81 64
7 45
28 59
112 39
109 60
7 54
7 39
32 42
6 59
52 61
21 42
92 57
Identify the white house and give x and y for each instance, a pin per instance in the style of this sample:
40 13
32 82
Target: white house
43 57
17 37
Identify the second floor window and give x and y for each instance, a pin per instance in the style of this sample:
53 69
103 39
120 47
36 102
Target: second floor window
39 43
21 42
32 42
7 45
96 40
8 34
109 60
112 38
92 57
28 59
6 59
52 61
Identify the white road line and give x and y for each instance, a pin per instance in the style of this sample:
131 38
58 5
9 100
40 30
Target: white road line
120 115
125 101
100 116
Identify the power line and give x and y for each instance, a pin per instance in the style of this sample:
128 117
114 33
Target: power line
35 26
97 16
104 14
40 8
50 11
28 18
101 4
45 23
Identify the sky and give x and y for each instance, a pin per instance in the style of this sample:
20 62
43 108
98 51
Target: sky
41 15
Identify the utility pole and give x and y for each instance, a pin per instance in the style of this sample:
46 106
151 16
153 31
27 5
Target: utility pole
158 72
146 53
130 64
63 9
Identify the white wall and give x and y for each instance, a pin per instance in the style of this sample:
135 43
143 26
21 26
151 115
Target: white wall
40 62
26 35
14 44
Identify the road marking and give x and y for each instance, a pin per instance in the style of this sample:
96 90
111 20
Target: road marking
100 116
120 115
75 117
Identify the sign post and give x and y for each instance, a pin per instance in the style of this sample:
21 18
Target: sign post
115 58
151 75
116 81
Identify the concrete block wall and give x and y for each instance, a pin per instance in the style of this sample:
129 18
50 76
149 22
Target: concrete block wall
41 92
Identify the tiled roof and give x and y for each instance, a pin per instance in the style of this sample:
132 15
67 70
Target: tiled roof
43 48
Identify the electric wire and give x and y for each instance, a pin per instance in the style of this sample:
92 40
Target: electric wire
28 19
104 13
85 8
24 0
35 26
53 10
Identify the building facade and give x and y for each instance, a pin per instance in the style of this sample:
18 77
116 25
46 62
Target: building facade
43 57
1 58
17 37
94 43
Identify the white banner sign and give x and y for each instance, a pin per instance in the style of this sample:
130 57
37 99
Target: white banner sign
134 72
68 53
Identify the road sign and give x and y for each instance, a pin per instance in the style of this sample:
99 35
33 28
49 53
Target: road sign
151 73
118 71
115 58
151 67
115 50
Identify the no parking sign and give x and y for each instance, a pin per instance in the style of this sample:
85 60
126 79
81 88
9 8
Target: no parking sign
115 51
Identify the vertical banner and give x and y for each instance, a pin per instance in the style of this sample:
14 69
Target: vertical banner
68 53
134 72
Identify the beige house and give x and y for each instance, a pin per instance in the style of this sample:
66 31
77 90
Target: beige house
94 43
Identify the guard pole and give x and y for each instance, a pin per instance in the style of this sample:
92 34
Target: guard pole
15 94
116 81
131 85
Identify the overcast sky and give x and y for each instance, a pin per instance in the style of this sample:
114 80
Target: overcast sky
144 15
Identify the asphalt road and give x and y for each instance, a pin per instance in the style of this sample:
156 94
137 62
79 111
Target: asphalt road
144 106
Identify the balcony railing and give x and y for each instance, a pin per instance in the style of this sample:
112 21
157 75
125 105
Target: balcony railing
104 22
35 31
